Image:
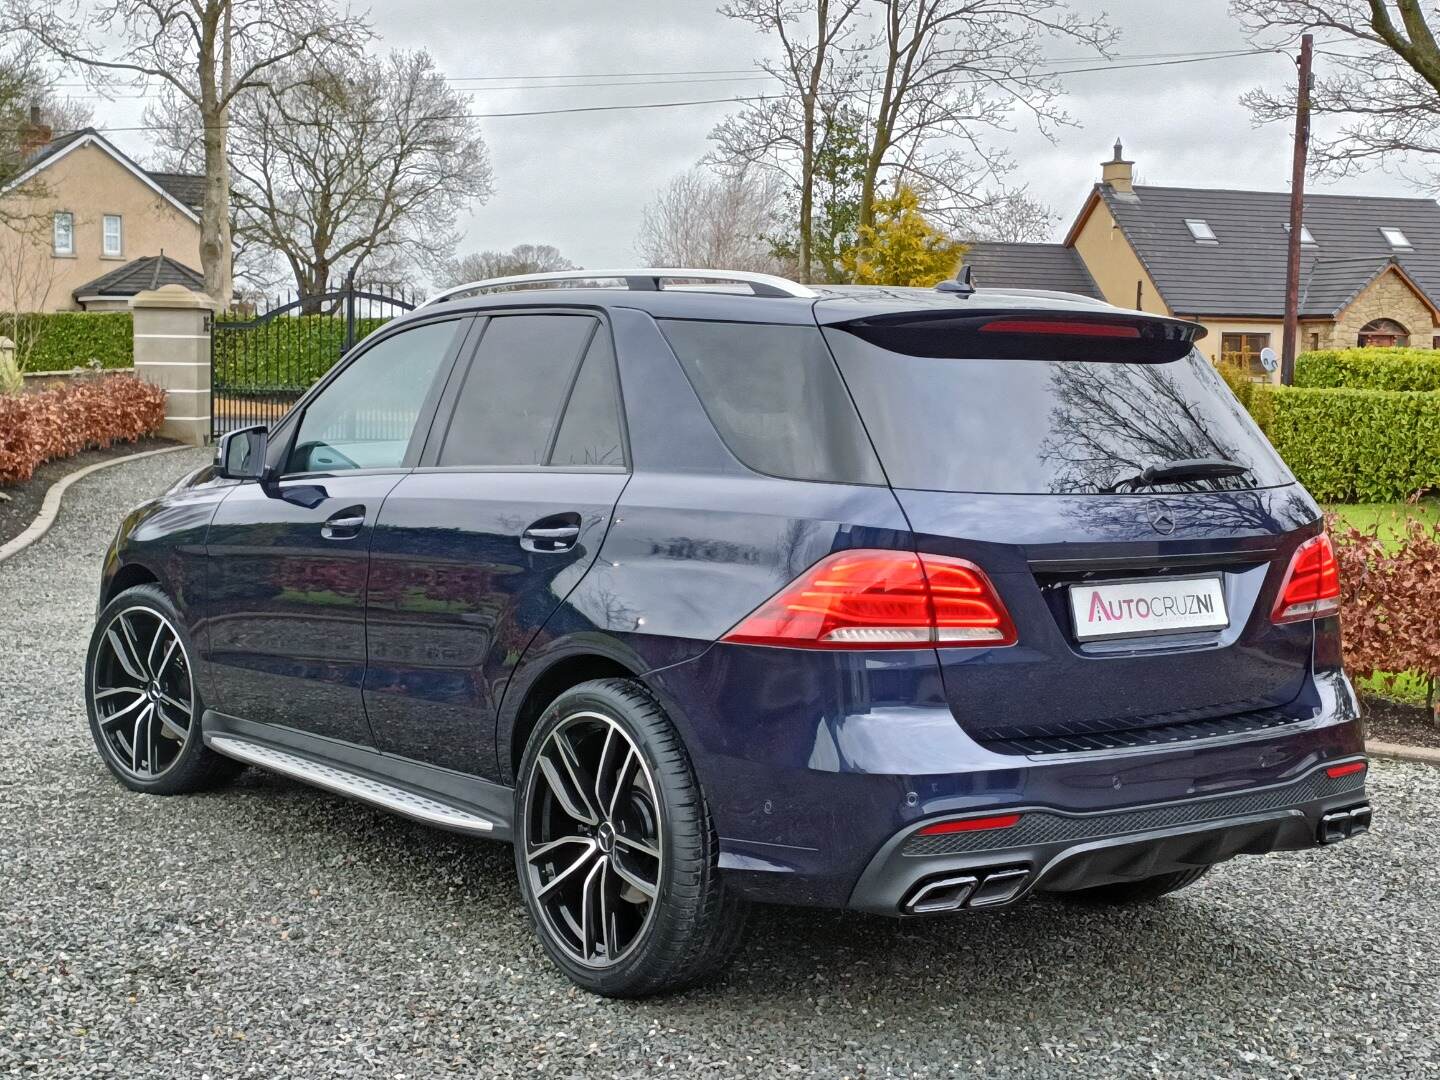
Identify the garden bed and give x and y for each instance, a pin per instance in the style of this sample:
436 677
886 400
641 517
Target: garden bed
1398 722
24 500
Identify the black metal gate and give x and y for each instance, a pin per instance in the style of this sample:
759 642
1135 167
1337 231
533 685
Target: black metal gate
262 364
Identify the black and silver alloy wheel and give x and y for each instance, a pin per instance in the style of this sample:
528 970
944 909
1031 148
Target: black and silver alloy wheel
142 691
593 848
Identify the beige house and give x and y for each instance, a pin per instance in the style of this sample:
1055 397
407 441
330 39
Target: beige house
82 223
1370 267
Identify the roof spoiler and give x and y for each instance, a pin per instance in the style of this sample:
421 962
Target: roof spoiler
1014 333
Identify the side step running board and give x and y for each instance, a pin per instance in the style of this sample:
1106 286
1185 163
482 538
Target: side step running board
388 796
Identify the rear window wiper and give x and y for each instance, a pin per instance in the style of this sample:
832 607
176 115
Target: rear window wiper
1180 471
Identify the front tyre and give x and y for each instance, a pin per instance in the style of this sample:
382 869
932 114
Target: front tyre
142 700
615 850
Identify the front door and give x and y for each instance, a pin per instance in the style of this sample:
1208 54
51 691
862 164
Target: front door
476 549
289 559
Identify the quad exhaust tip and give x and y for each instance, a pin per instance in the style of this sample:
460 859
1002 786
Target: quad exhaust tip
973 889
1340 825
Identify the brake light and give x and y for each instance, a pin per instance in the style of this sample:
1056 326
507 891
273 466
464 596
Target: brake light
881 600
974 824
1350 767
1057 326
1311 586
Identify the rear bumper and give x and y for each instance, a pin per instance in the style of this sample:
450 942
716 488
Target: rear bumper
1053 851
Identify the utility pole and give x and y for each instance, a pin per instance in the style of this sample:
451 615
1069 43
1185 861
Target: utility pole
1297 209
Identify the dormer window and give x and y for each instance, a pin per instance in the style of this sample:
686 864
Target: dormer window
1306 240
1201 231
1394 237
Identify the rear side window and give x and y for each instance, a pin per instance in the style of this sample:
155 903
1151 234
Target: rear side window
1038 426
514 390
591 434
774 396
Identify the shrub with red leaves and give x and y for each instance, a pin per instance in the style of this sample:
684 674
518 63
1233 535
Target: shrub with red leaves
68 418
1390 601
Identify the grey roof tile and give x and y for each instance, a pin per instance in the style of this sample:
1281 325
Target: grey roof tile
149 272
187 187
1029 266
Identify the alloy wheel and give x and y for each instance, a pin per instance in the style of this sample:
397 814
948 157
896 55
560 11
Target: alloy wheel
592 847
143 692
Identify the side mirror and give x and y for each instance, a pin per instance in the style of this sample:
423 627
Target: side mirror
240 455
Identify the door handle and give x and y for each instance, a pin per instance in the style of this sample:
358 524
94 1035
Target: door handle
552 534
344 524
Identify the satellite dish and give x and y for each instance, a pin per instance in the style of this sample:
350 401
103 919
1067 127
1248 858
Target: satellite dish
1269 359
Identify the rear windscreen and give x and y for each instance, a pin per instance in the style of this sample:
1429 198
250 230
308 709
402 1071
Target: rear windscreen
1036 426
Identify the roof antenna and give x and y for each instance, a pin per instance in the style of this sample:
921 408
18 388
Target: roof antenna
963 285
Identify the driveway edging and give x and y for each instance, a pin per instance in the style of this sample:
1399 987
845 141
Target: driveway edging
50 506
1424 755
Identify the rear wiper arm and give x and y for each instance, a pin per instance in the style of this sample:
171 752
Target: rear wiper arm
1181 470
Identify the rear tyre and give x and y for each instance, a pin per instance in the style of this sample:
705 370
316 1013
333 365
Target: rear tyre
141 697
615 850
1144 891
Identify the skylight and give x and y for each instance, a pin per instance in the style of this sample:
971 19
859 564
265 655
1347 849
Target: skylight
1201 231
1305 238
1394 237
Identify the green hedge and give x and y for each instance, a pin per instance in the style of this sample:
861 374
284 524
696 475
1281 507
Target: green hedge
287 354
61 340
1369 369
1354 446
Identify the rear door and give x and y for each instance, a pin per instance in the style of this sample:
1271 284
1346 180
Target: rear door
1021 450
476 548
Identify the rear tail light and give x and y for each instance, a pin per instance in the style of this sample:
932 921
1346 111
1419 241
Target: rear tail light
881 600
1311 587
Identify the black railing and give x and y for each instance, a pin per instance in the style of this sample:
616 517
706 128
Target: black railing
261 363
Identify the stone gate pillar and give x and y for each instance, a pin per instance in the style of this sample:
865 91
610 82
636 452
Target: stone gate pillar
172 351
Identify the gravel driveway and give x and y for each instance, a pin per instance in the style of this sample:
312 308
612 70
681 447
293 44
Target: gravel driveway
276 931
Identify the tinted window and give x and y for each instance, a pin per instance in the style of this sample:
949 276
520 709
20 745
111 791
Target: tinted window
508 406
364 418
1047 426
774 396
590 434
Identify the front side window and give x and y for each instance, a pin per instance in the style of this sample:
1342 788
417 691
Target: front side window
365 417
64 227
112 243
511 399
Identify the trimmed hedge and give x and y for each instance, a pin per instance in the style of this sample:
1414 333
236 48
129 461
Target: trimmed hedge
287 354
61 340
1349 445
74 416
1369 369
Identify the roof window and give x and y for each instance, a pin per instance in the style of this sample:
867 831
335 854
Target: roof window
1394 237
1201 231
1306 240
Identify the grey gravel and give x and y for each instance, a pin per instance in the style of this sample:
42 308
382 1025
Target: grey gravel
276 931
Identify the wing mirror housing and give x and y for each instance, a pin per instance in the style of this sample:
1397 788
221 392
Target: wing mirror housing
240 455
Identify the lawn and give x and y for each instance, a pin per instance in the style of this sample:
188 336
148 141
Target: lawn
1388 517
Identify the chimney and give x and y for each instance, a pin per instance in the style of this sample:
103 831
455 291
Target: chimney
35 134
1117 172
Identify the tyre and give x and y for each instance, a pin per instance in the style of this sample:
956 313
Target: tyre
615 849
142 700
1144 891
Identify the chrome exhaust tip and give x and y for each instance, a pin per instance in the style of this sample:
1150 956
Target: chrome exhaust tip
975 889
1340 825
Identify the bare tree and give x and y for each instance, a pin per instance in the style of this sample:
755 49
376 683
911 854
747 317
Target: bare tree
709 221
521 259
207 52
1381 81
784 132
357 161
1012 217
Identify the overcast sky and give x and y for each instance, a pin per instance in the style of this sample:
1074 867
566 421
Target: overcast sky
580 181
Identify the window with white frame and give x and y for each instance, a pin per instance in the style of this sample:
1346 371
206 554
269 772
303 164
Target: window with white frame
1394 237
64 229
113 240
1201 231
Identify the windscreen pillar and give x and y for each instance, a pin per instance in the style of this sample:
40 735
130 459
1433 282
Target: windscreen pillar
172 351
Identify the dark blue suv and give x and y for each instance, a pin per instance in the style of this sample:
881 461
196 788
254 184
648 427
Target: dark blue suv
711 588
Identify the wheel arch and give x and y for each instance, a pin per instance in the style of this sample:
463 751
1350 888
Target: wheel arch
127 576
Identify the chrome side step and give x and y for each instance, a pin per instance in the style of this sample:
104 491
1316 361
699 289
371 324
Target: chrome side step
388 796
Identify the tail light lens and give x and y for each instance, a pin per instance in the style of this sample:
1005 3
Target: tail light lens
1311 587
974 824
881 600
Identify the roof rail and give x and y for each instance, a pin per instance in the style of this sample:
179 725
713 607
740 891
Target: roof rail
645 279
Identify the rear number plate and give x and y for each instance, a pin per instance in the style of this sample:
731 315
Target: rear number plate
1152 606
